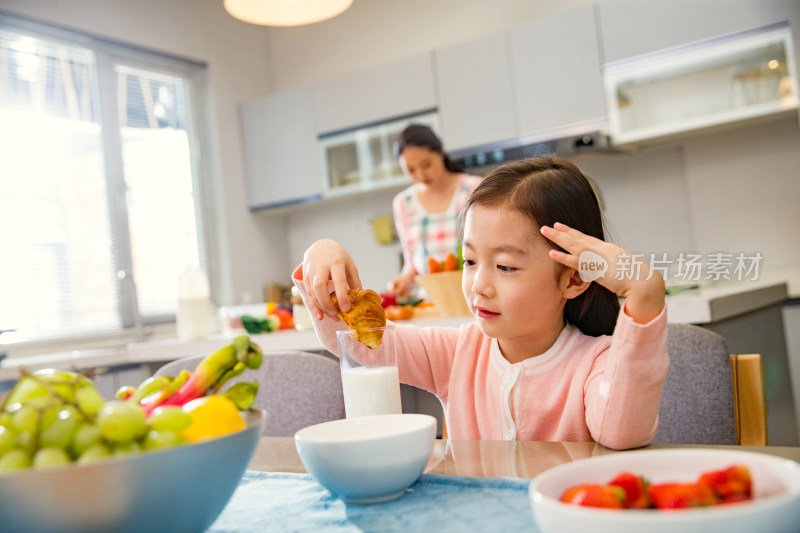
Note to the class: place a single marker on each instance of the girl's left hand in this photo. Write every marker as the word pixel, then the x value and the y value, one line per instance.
pixel 626 275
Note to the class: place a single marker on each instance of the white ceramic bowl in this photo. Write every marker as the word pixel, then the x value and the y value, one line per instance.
pixel 368 459
pixel 775 507
pixel 183 488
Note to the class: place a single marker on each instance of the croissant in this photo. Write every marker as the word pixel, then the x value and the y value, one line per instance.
pixel 366 313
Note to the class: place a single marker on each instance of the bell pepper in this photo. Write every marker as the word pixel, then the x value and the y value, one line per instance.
pixel 212 373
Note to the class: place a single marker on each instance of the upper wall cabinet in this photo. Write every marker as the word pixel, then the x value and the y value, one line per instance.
pixel 282 158
pixel 362 159
pixel 395 89
pixel 634 27
pixel 476 96
pixel 708 84
pixel 557 75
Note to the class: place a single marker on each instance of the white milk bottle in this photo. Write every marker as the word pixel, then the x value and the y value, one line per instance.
pixel 194 305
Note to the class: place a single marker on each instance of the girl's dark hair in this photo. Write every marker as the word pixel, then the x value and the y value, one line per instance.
pixel 423 137
pixel 548 189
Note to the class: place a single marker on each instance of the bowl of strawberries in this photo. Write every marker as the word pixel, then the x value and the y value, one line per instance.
pixel 686 490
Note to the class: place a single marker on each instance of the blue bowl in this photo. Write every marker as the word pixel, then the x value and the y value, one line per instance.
pixel 177 489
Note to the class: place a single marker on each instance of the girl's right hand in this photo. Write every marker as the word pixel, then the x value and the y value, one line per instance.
pixel 324 261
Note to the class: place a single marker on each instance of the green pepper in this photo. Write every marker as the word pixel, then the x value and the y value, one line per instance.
pixel 253 325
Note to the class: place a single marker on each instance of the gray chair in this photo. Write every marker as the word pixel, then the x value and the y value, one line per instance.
pixel 297 389
pixel 698 404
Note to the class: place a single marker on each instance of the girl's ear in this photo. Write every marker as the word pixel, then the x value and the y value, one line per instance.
pixel 571 284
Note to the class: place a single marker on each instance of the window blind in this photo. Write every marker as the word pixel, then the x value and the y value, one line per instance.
pixel 99 183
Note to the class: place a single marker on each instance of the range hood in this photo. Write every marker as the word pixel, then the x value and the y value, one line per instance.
pixel 564 142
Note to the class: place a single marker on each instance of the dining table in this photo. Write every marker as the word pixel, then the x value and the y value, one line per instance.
pixel 466 486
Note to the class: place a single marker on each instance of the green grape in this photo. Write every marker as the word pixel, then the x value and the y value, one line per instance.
pixel 127 447
pixel 7 439
pixel 5 419
pixel 9 411
pixel 161 439
pixel 15 459
pixel 62 382
pixel 26 440
pixel 47 414
pixel 121 421
pixel 86 436
pixel 59 432
pixel 89 400
pixel 93 453
pixel 45 402
pixel 26 389
pixel 50 457
pixel 25 418
pixel 169 417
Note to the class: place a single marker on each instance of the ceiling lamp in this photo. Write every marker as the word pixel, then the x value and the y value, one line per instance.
pixel 285 12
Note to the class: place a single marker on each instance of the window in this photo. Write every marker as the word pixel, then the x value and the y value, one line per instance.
pixel 100 182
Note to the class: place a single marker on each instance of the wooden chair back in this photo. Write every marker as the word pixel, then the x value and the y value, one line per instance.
pixel 750 408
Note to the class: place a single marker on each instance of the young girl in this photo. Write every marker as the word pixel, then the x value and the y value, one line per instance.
pixel 540 361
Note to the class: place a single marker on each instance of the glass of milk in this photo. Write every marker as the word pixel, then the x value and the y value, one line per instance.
pixel 370 379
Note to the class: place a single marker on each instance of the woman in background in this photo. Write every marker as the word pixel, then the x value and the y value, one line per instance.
pixel 425 213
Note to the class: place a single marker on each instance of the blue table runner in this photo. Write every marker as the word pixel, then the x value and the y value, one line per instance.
pixel 267 501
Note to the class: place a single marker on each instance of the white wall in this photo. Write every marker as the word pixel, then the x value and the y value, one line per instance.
pixel 744 192
pixel 238 70
pixel 348 222
pixel 373 32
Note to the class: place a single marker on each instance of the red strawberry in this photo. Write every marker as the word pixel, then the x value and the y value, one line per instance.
pixel 732 484
pixel 595 496
pixel 635 487
pixel 681 495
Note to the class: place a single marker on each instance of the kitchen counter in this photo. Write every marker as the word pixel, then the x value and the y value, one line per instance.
pixel 719 301
pixel 162 351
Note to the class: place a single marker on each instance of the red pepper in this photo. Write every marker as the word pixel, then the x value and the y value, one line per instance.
pixel 387 299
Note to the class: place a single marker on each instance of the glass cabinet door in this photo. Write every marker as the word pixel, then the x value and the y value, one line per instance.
pixel 342 162
pixel 363 158
pixel 701 85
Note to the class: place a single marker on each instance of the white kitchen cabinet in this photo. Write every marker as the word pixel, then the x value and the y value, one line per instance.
pixel 281 149
pixel 557 74
pixel 476 95
pixel 634 27
pixel 703 85
pixel 377 94
pixel 362 159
